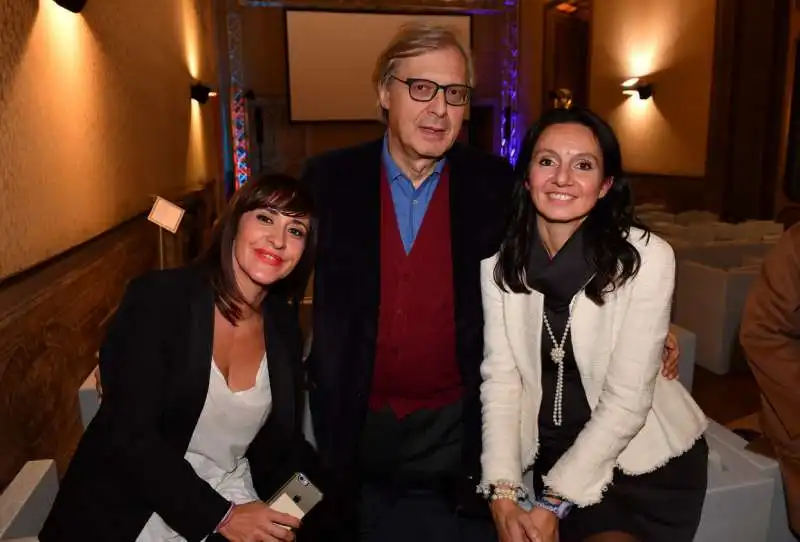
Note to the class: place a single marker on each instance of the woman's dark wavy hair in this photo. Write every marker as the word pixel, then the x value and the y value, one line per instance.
pixel 285 195
pixel 606 227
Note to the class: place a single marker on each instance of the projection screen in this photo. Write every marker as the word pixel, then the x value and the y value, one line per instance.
pixel 331 55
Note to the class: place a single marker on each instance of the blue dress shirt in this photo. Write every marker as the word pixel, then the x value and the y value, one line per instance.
pixel 410 203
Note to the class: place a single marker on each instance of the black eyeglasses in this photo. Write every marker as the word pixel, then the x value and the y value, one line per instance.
pixel 424 90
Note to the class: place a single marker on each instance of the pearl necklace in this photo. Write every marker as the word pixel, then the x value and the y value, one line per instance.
pixel 557 354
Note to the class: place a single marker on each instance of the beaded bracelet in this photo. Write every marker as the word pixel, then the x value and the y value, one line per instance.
pixel 507 490
pixel 504 493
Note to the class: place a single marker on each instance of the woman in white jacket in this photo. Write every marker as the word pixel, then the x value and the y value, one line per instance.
pixel 577 306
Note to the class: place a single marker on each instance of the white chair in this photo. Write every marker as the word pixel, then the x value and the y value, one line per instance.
pixel 26 502
pixel 88 398
pixel 738 499
pixel 709 301
pixel 777 522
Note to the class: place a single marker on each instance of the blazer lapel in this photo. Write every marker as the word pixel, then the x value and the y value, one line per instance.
pixel 524 317
pixel 358 220
pixel 367 232
pixel 462 214
pixel 466 269
pixel 354 229
pixel 192 383
pixel 586 317
pixel 279 363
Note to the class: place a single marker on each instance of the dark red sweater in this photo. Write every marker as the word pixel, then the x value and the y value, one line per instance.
pixel 415 358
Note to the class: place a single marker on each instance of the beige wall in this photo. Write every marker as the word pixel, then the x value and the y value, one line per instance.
pixel 671 43
pixel 95 115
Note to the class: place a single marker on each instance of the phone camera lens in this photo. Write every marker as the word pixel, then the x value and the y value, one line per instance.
pixel 302 480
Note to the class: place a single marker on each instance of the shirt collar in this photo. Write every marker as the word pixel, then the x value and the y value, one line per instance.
pixel 393 171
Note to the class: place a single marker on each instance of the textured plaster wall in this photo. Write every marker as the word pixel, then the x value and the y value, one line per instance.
pixel 670 43
pixel 95 117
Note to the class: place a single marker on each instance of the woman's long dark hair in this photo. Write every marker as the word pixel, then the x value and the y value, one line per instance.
pixel 606 227
pixel 285 195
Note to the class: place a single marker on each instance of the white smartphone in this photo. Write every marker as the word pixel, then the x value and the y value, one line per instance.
pixel 297 496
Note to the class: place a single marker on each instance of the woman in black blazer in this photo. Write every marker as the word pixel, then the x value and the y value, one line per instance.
pixel 201 418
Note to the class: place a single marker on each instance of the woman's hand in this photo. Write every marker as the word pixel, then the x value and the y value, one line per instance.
pixel 257 522
pixel 546 523
pixel 670 357
pixel 513 523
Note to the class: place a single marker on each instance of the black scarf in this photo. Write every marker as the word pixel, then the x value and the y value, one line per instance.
pixel 561 277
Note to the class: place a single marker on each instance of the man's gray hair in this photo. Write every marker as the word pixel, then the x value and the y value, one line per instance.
pixel 415 39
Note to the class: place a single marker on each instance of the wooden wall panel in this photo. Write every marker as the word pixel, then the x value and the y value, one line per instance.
pixel 51 326
pixel 677 193
pixel 52 320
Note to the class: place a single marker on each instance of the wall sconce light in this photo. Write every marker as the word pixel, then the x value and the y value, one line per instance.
pixel 637 87
pixel 201 93
pixel 75 6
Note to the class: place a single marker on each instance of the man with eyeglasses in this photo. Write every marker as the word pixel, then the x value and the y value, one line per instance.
pixel 394 368
pixel 398 339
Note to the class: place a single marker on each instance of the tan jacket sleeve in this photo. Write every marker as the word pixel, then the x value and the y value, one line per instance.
pixel 770 330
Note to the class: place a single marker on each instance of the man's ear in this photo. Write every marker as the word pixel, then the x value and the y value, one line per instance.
pixel 383 95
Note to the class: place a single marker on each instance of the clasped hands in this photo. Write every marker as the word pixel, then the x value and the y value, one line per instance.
pixel 257 522
pixel 515 524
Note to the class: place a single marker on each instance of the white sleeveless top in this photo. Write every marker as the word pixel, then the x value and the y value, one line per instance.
pixel 228 424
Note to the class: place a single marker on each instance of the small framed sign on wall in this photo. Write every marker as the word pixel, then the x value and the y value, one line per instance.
pixel 166 214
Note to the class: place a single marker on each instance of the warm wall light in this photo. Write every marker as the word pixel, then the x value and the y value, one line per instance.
pixel 75 6
pixel 201 93
pixel 637 87
pixel 566 7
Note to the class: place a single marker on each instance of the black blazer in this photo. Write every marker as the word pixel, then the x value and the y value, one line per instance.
pixel 155 365
pixel 346 188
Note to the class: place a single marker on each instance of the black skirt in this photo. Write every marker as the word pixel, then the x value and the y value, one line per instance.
pixel 661 506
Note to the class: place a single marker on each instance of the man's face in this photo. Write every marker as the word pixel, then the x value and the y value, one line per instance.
pixel 425 129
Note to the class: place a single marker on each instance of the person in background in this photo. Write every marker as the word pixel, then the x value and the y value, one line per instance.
pixel 394 366
pixel 576 308
pixel 770 337
pixel 201 417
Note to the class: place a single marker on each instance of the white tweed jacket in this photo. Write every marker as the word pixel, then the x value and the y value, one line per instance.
pixel 639 419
